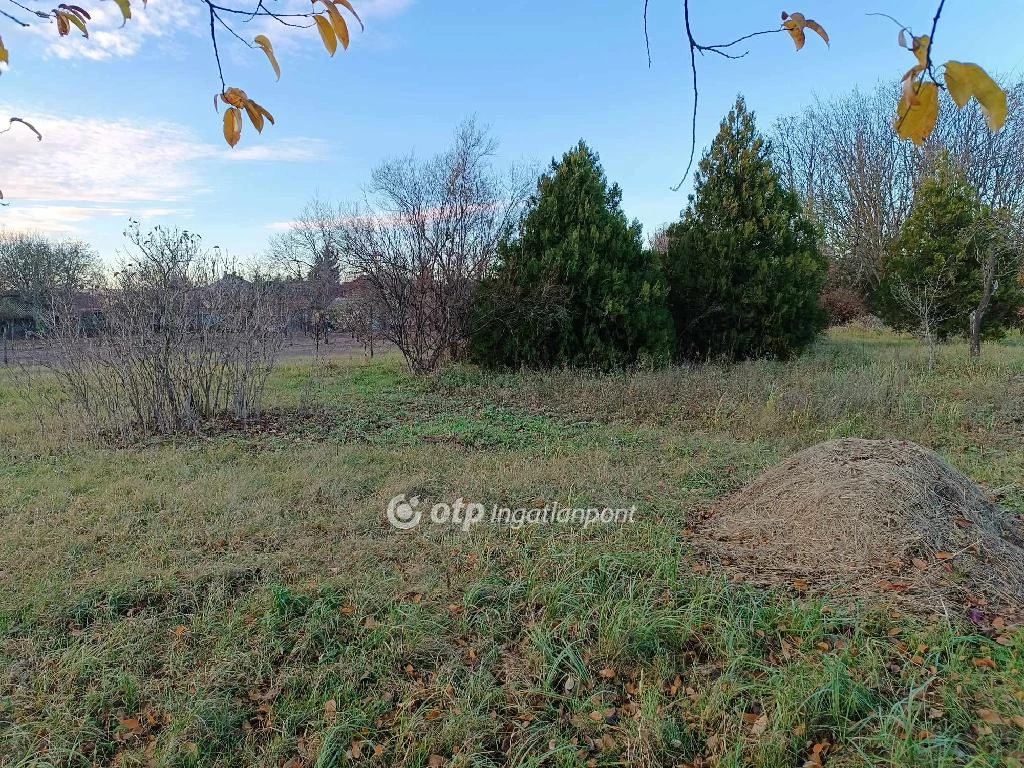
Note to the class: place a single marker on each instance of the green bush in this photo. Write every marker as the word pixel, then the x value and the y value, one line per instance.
pixel 574 286
pixel 743 264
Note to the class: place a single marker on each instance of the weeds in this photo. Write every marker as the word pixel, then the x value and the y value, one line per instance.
pixel 239 599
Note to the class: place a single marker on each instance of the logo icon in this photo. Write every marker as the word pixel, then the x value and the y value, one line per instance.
pixel 404 513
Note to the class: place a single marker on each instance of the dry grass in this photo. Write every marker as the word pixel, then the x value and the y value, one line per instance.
pixel 874 519
pixel 238 599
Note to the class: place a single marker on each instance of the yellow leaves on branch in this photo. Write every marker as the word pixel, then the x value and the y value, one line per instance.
pixel 332 27
pixel 918 111
pixel 796 23
pixel 238 102
pixel 967 80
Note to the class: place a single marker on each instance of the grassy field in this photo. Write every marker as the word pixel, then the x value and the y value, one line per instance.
pixel 240 599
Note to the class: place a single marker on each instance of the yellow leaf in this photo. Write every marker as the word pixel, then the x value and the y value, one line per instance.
pixel 812 24
pixel 255 116
pixel 232 126
pixel 126 9
pixel 966 80
pixel 337 21
pixel 5 57
pixel 262 111
pixel 795 26
pixel 920 49
pixel 236 97
pixel 323 26
pixel 63 27
pixel 918 112
pixel 77 22
pixel 352 10
pixel 264 42
pixel 796 23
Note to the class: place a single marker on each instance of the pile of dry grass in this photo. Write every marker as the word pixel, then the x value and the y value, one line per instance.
pixel 860 518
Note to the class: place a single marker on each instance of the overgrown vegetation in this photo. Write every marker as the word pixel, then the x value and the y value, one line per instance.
pixel 239 598
pixel 938 271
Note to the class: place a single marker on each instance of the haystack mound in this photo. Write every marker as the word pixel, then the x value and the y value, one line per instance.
pixel 869 517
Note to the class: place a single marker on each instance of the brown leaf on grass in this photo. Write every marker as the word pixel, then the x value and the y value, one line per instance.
pixel 134 725
pixel 817 757
pixel 432 715
pixel 608 673
pixel 435 761
pixel 984 662
pixel 760 725
pixel 991 716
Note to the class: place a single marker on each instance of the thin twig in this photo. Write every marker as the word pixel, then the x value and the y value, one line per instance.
pixel 696 95
pixel 17 21
pixel 216 50
pixel 931 39
pixel 647 36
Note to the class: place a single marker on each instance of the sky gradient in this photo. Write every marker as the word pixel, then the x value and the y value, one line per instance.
pixel 130 130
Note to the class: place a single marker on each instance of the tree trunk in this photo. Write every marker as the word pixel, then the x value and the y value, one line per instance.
pixel 975 333
pixel 988 279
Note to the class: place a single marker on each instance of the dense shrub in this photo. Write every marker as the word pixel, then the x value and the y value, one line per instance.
pixel 744 265
pixel 574 286
pixel 841 299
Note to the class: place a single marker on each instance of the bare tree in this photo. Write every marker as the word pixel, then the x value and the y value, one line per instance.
pixel 425 235
pixel 924 297
pixel 309 256
pixel 854 174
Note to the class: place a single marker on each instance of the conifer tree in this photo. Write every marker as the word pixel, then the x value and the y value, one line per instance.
pixel 574 286
pixel 744 267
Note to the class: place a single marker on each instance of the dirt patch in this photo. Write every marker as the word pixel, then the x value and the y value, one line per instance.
pixel 871 518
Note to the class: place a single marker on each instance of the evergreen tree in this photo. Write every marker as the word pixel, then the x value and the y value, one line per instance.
pixel 574 286
pixel 935 275
pixel 744 267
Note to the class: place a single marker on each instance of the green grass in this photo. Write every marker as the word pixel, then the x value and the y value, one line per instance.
pixel 239 599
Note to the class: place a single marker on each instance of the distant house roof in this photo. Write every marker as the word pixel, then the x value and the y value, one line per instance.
pixel 358 286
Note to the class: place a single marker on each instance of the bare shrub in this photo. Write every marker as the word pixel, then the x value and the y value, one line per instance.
pixel 182 340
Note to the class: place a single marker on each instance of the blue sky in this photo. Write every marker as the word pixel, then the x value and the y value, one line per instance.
pixel 130 128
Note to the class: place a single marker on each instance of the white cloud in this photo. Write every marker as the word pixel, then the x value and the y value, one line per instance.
pixel 87 168
pixel 110 38
pixel 54 218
